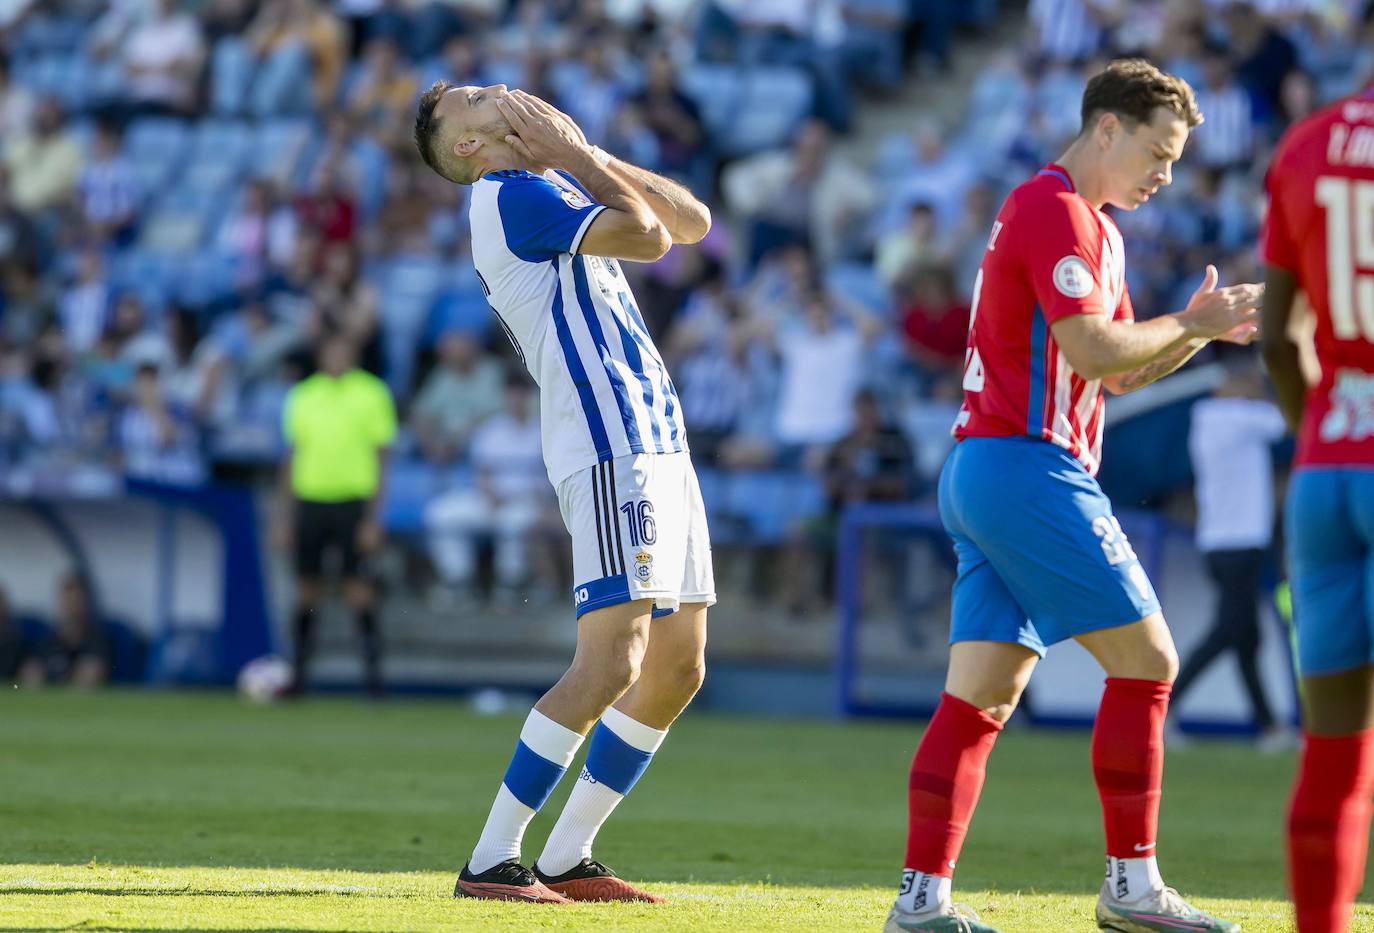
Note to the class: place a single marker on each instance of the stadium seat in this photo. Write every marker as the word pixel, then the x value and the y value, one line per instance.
pixel 408 286
pixel 875 52
pixel 859 282
pixel 773 102
pixel 182 220
pixel 371 163
pixel 282 84
pixel 204 278
pixel 772 503
pixel 49 32
pixel 149 275
pixel 717 91
pixel 231 76
pixel 460 305
pixel 64 75
pixel 219 154
pixel 409 487
pixel 155 148
pixel 278 149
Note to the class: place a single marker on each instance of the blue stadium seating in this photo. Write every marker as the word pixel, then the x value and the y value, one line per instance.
pixel 717 90
pixel 231 77
pixel 156 148
pixel 409 286
pixel 773 102
pixel 860 283
pixel 182 220
pixel 409 486
pixel 460 305
pixel 219 154
pixel 772 504
pixel 278 149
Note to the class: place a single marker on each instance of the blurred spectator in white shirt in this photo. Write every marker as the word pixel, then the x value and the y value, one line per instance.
pixel 509 491
pixel 163 57
pixel 805 193
pixel 84 308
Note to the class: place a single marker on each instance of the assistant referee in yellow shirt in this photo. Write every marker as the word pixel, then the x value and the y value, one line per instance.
pixel 338 425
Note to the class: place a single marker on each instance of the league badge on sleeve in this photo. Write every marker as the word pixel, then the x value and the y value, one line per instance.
pixel 1073 278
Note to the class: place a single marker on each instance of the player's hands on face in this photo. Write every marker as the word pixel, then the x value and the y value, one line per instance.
pixel 553 113
pixel 1213 312
pixel 539 138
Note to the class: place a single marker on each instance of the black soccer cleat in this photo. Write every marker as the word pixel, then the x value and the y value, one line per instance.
pixel 506 881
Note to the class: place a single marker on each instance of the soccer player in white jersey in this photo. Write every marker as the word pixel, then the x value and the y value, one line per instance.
pixel 551 219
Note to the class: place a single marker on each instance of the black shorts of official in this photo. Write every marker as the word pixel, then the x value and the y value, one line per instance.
pixel 325 526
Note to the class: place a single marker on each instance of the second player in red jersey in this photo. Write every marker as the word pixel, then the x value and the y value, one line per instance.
pixel 1319 240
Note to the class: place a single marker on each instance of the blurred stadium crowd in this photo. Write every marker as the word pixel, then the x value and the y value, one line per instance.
pixel 194 193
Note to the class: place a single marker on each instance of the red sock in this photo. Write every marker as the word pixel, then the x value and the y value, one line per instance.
pixel 1128 763
pixel 1328 828
pixel 946 779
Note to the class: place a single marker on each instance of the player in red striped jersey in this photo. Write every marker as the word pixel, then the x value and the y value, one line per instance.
pixel 1041 556
pixel 1319 239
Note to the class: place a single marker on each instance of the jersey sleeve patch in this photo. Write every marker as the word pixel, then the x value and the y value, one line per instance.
pixel 1072 277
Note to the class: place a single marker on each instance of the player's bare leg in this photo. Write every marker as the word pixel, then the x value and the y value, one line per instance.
pixel 1128 764
pixel 1328 820
pixel 671 672
pixel 611 644
pixel 984 683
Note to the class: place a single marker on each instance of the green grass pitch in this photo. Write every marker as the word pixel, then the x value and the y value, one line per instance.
pixel 132 811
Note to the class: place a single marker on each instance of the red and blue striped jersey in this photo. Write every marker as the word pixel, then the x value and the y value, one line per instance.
pixel 1051 254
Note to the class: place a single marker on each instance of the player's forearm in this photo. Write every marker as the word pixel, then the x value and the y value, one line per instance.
pixel 613 189
pixel 687 219
pixel 1142 376
pixel 1112 348
pixel 1282 359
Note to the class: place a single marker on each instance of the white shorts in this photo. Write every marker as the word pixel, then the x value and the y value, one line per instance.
pixel 638 529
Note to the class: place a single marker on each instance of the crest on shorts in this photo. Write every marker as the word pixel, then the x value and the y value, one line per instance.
pixel 644 565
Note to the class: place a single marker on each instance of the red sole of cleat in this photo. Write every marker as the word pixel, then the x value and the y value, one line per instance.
pixel 604 889
pixel 534 894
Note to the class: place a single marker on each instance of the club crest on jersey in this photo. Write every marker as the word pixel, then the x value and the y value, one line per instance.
pixel 1073 278
pixel 575 199
pixel 644 565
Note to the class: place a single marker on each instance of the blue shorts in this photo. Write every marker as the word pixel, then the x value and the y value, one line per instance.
pixel 1041 557
pixel 1330 528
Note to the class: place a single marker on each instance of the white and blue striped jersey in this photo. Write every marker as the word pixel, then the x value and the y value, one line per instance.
pixel 604 391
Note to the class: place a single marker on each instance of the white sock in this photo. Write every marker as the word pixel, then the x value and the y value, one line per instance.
pixel 595 795
pixel 921 893
pixel 534 775
pixel 1131 879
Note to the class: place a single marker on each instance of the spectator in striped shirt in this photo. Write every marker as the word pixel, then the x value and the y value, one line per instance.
pixel 108 190
pixel 1071 30
pixel 157 442
pixel 1225 141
